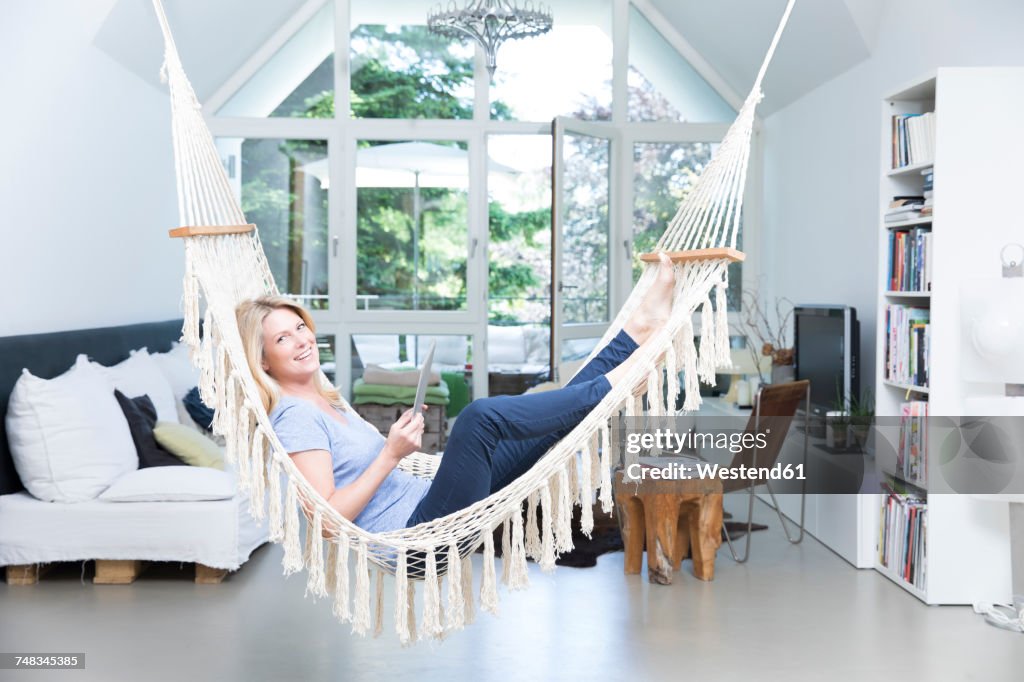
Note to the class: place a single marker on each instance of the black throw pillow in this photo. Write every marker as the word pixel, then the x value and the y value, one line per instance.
pixel 141 416
pixel 197 409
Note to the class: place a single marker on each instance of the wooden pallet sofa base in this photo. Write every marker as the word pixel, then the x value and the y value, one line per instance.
pixel 110 572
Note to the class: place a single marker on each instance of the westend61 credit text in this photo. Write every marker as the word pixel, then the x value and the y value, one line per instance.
pixel 707 470
pixel 673 442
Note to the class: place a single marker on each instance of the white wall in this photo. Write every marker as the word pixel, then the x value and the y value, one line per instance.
pixel 87 186
pixel 820 236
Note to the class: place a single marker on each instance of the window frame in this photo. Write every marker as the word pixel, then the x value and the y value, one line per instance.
pixel 342 319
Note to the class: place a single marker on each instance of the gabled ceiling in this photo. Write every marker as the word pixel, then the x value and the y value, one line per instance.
pixel 214 37
pixel 824 38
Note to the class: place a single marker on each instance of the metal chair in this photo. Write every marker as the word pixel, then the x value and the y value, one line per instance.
pixel 774 409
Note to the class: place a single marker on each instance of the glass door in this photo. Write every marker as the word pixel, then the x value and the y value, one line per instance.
pixel 581 263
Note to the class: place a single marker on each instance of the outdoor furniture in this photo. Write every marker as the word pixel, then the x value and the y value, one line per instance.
pixel 383 416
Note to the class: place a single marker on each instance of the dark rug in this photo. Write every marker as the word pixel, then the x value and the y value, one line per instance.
pixel 606 538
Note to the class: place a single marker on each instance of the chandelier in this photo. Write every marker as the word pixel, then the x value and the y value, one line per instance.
pixel 490 23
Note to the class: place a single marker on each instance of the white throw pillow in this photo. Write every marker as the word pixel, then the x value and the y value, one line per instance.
pixel 171 484
pixel 68 436
pixel 505 345
pixel 140 375
pixel 177 368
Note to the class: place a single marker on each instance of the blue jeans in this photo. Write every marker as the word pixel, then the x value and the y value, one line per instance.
pixel 496 440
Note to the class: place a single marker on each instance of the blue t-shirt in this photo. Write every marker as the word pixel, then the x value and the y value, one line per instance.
pixel 300 425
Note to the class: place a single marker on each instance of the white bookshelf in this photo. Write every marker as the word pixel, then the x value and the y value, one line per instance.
pixel 966 539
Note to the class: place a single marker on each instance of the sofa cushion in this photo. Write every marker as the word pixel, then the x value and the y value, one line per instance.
pixel 141 417
pixel 178 369
pixel 505 345
pixel 538 345
pixel 198 411
pixel 171 484
pixel 68 437
pixel 140 375
pixel 190 445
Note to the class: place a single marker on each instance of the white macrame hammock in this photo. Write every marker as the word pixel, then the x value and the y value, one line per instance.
pixel 225 264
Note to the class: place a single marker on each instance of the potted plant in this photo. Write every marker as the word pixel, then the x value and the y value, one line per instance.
pixel 769 334
pixel 837 422
pixel 862 416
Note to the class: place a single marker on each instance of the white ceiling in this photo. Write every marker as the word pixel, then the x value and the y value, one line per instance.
pixel 823 39
pixel 214 38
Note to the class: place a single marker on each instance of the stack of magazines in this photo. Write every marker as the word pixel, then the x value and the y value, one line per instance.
pixel 903 208
pixel 901 538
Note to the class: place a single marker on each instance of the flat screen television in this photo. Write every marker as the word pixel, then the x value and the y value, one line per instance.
pixel 826 348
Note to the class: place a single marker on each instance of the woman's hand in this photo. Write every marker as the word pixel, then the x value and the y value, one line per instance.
pixel 405 436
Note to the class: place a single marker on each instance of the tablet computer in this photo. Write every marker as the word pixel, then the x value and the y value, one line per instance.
pixel 421 387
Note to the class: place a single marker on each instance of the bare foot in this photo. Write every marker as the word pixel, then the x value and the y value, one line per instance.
pixel 656 307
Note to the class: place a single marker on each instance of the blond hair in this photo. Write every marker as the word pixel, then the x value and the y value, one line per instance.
pixel 249 315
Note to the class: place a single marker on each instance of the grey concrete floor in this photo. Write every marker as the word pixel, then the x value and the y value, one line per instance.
pixel 790 613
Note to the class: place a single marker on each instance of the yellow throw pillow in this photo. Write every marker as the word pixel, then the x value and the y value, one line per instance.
pixel 188 444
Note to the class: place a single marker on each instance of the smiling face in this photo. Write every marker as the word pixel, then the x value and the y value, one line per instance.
pixel 290 354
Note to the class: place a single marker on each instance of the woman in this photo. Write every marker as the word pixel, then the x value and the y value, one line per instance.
pixel 493 442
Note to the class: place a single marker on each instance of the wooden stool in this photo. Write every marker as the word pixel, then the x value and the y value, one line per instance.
pixel 677 518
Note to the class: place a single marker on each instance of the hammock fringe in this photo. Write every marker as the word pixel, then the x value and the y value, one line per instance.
pixel 401 599
pixel 488 586
pixel 342 610
pixel 292 561
pixel 532 531
pixel 431 598
pixel 506 549
pixel 275 529
pixel 605 495
pixel 361 615
pixel 467 591
pixel 316 582
pixel 586 490
pixel 410 611
pixel 519 576
pixel 547 550
pixel 563 529
pixel 378 609
pixel 456 611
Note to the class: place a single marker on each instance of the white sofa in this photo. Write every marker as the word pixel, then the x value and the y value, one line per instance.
pixel 216 533
pixel 99 505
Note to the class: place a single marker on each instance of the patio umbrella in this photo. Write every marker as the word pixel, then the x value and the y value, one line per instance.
pixel 409 164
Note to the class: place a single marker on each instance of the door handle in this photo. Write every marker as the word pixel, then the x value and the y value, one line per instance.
pixel 334 242
pixel 472 247
pixel 629 249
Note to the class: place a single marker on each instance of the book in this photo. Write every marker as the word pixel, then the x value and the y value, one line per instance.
pixel 913 139
pixel 908 341
pixel 903 527
pixel 909 258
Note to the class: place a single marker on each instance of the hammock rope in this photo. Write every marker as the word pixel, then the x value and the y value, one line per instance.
pixel 226 263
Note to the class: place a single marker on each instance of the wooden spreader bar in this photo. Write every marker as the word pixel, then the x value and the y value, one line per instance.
pixel 197 230
pixel 697 254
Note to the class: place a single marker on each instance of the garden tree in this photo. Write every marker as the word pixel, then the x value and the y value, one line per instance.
pixel 402 73
pixel 290 209
pixel 519 273
pixel 663 174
